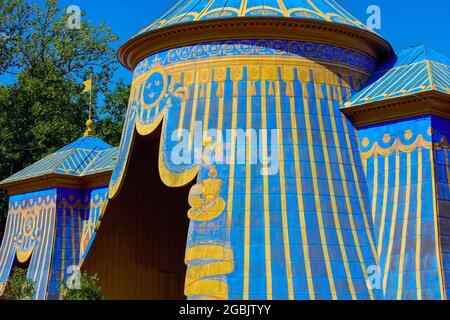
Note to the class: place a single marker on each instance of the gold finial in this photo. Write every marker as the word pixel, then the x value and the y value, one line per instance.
pixel 89 123
pixel 89 128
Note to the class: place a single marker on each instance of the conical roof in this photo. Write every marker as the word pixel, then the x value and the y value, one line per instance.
pixel 199 10
pixel 87 155
pixel 191 22
pixel 416 70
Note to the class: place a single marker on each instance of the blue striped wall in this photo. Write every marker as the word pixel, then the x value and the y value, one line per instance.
pixel 72 210
pixel 46 228
pixel 30 228
pixel 78 211
pixel 304 232
pixel 399 163
pixel 441 134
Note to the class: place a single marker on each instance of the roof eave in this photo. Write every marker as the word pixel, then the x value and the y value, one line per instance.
pixel 266 28
pixel 57 180
pixel 427 102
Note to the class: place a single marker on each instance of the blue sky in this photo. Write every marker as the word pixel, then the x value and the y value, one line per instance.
pixel 404 22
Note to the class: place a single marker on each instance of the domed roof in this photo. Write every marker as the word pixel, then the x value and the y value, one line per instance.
pixel 191 22
pixel 185 11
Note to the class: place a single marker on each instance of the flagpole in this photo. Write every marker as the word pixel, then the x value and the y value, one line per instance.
pixel 89 123
pixel 90 101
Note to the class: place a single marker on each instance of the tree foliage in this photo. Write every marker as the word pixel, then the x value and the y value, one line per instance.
pixel 19 287
pixel 110 123
pixel 40 39
pixel 88 290
pixel 13 22
pixel 44 109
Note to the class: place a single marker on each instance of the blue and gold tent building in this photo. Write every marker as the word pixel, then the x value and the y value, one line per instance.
pixel 275 149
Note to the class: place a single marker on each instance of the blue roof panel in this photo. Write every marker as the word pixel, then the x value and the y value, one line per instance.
pixel 417 69
pixel 199 10
pixel 88 143
pixel 85 156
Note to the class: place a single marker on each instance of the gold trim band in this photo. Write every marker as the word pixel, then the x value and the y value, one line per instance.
pixel 266 28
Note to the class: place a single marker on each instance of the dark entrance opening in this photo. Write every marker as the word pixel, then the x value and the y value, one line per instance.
pixel 17 264
pixel 139 250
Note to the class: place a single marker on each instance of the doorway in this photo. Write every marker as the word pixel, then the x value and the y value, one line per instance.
pixel 139 251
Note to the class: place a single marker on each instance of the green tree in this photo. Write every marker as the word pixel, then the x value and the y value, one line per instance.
pixel 19 287
pixel 47 44
pixel 88 290
pixel 44 109
pixel 13 22
pixel 112 115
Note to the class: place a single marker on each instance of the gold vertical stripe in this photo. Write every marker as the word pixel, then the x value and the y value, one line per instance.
pixel 52 247
pixel 72 213
pixel 63 249
pixel 301 209
pixel 287 248
pixel 332 193
pixel 346 193
pixel 364 163
pixel 418 223
pixel 232 156
pixel 194 108
pixel 181 121
pixel 47 252
pixel 207 108
pixel 7 239
pixel 248 190
pixel 220 113
pixel 384 205
pixel 375 186
pixel 405 227
pixel 38 253
pixel 393 221
pixel 243 7
pixel 80 228
pixel 447 167
pixel 266 192
pixel 205 9
pixel 317 196
pixel 358 187
pixel 436 224
pixel 18 227
pixel 283 7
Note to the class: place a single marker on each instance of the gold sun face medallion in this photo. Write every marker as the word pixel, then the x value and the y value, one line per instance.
pixel 155 88
pixel 29 225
